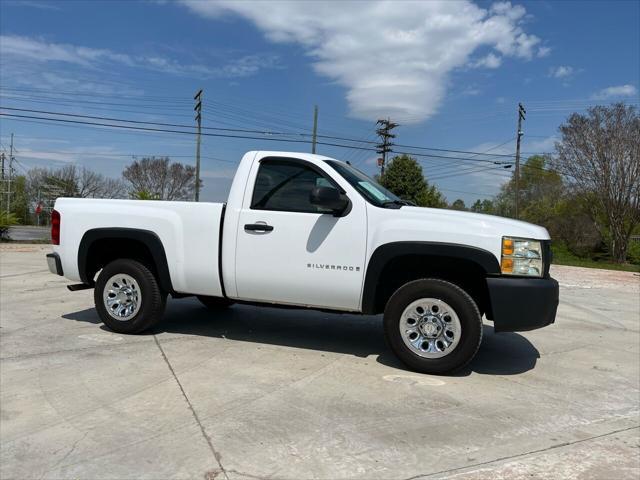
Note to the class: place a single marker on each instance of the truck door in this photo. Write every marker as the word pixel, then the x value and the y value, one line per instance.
pixel 288 250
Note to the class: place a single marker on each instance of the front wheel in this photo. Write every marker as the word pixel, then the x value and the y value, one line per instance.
pixel 127 297
pixel 433 326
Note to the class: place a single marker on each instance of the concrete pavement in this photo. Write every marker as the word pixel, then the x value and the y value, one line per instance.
pixel 254 393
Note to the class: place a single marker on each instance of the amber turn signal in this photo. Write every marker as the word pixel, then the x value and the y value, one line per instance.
pixel 507 265
pixel 507 246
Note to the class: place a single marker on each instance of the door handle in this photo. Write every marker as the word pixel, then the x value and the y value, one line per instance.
pixel 257 227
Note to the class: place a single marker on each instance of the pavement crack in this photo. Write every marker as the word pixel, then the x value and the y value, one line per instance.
pixel 11 275
pixel 66 455
pixel 216 455
pixel 518 455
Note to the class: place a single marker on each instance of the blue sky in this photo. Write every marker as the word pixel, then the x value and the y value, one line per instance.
pixel 451 73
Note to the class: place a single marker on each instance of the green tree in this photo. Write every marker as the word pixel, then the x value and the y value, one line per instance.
pixel 458 205
pixel 6 220
pixel 541 188
pixel 574 224
pixel 20 199
pixel 403 176
pixel 483 206
pixel 143 195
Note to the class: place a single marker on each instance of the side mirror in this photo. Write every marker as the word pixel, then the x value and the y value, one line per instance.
pixel 329 198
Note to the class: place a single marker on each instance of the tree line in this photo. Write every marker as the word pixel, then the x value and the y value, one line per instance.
pixel 153 178
pixel 587 194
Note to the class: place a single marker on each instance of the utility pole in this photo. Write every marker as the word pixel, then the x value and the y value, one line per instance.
pixel 315 129
pixel 10 176
pixel 2 156
pixel 385 127
pixel 198 110
pixel 521 116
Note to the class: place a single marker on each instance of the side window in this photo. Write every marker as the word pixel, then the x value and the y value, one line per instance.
pixel 286 186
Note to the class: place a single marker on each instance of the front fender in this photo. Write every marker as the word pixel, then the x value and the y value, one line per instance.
pixel 386 253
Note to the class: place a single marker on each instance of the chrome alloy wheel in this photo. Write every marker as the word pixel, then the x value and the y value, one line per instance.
pixel 122 297
pixel 430 328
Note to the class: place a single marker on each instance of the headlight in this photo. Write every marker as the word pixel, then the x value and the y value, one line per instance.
pixel 521 256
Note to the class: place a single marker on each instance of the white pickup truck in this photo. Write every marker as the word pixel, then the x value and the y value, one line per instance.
pixel 313 232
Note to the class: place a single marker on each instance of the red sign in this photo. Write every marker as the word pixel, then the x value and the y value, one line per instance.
pixel 39 209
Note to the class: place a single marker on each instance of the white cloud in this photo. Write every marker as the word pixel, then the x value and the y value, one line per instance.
pixel 470 91
pixel 616 91
pixel 22 50
pixel 489 61
pixel 26 48
pixel 543 52
pixel 562 71
pixel 393 57
pixel 31 4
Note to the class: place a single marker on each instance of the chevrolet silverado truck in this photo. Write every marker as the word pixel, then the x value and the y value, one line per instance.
pixel 312 232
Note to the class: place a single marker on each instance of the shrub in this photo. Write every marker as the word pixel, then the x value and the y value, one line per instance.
pixel 6 220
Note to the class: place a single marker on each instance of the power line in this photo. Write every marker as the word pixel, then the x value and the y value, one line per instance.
pixel 458 151
pixel 106 154
pixel 175 125
pixel 92 94
pixel 467 171
pixel 151 129
pixel 468 193
pixel 266 132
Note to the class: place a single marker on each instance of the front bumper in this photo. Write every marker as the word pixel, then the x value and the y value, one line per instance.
pixel 520 304
pixel 54 263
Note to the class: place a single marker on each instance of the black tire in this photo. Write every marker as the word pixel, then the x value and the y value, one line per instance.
pixel 214 303
pixel 153 298
pixel 466 310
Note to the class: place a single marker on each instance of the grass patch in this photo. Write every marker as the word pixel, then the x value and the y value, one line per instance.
pixel 562 256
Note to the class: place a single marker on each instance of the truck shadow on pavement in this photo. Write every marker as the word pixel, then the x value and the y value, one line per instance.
pixel 499 354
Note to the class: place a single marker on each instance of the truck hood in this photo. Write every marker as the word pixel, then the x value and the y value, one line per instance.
pixel 476 222
pixel 418 224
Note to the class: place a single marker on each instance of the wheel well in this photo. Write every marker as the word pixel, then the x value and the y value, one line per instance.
pixel 105 250
pixel 100 246
pixel 466 274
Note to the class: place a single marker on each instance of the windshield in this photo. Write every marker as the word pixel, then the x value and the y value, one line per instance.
pixel 371 190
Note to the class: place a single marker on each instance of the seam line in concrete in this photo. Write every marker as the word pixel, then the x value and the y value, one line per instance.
pixel 9 275
pixel 216 455
pixel 27 356
pixel 532 452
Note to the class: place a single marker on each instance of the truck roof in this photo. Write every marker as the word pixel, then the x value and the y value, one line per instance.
pixel 300 155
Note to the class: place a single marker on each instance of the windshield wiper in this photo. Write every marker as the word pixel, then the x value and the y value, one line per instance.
pixel 400 203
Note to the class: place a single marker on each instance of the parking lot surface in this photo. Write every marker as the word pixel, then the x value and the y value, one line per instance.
pixel 257 393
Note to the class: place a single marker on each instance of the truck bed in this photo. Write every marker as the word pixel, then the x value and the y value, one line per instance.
pixel 189 233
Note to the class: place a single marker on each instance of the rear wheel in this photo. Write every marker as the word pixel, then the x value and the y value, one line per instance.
pixel 433 326
pixel 214 303
pixel 127 297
